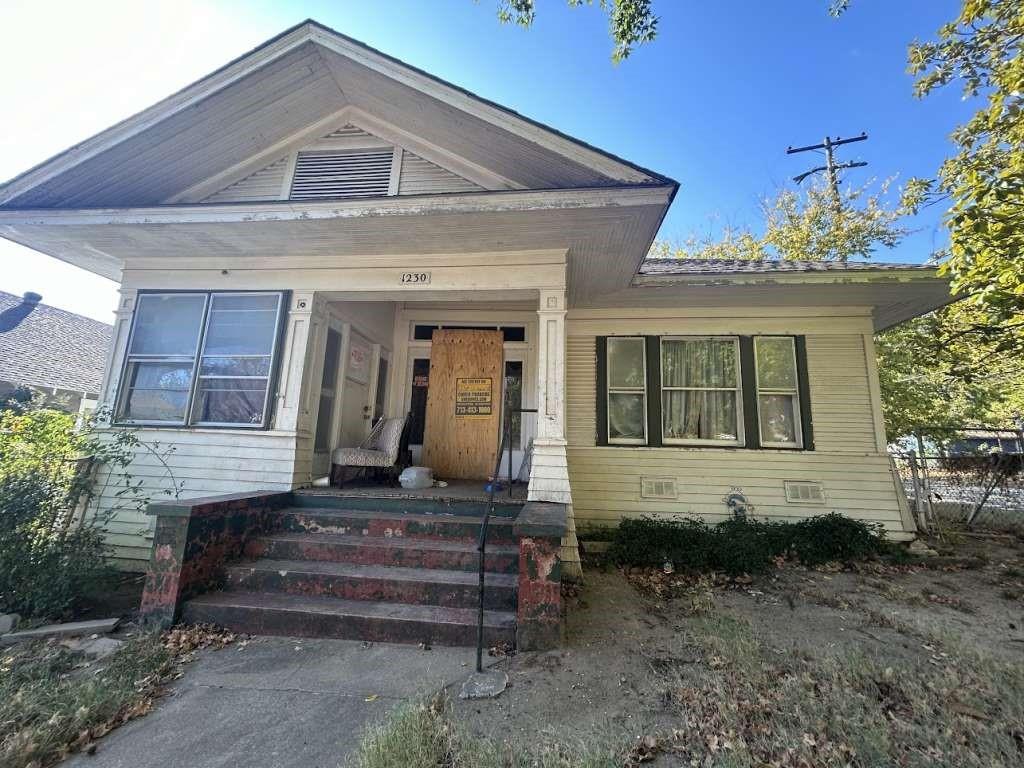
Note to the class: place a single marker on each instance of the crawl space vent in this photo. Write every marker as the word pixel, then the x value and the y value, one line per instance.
pixel 803 492
pixel 658 488
pixel 324 175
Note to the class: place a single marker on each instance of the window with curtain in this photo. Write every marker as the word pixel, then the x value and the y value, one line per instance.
pixel 778 398
pixel 700 391
pixel 627 390
pixel 201 359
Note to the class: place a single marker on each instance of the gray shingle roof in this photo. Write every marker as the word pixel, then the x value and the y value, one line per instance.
pixel 672 266
pixel 44 346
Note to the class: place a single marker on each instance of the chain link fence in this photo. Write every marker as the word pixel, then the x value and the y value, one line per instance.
pixel 968 476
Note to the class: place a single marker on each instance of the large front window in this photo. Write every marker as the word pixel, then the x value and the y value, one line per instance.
pixel 202 359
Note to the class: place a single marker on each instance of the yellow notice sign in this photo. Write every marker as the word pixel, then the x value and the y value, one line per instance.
pixel 473 398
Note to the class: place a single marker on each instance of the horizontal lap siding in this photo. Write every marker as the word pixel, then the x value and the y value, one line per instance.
pixel 201 464
pixel 856 478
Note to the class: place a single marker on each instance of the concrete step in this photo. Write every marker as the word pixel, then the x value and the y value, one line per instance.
pixel 361 522
pixel 374 583
pixel 396 502
pixel 383 550
pixel 301 616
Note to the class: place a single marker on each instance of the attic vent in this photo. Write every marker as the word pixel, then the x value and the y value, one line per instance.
pixel 658 488
pixel 362 173
pixel 802 492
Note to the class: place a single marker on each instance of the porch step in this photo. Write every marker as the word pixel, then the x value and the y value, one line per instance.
pixel 306 616
pixel 381 524
pixel 374 583
pixel 381 550
pixel 397 501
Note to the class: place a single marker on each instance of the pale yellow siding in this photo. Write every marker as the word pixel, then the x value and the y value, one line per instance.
pixel 849 458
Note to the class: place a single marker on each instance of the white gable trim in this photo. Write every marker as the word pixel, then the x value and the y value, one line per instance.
pixel 474 105
pixel 428 151
pixel 172 105
pixel 278 47
pixel 382 134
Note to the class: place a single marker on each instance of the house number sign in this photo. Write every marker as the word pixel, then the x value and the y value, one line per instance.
pixel 415 278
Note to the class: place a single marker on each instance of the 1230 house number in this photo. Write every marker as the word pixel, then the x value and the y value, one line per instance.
pixel 415 278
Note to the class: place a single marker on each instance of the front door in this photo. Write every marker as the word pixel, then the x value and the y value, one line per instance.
pixel 355 405
pixel 463 403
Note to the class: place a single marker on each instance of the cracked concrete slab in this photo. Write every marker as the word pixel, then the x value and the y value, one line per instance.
pixel 278 703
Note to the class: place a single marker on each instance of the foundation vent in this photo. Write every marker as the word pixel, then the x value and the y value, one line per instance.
pixel 804 492
pixel 658 488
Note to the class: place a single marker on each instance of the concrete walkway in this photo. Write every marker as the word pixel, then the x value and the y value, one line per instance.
pixel 277 703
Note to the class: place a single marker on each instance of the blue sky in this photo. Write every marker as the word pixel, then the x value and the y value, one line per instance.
pixel 713 102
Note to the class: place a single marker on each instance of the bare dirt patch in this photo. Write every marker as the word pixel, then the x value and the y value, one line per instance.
pixel 872 664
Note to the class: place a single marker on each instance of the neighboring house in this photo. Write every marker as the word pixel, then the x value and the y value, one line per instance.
pixel 297 234
pixel 58 354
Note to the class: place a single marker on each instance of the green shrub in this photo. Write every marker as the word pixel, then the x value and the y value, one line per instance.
pixel 831 537
pixel 52 555
pixel 740 545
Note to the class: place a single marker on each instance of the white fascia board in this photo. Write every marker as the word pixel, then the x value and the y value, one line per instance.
pixel 404 205
pixel 160 111
pixel 797 278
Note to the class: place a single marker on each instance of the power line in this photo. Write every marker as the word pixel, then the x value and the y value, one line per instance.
pixel 831 167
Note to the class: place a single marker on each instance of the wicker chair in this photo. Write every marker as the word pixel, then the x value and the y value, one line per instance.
pixel 379 452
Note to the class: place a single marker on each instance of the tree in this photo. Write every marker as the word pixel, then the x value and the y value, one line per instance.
pixel 952 367
pixel 631 22
pixel 805 224
pixel 981 51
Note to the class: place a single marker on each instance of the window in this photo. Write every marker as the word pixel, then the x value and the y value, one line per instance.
pixel 201 359
pixel 627 390
pixel 778 398
pixel 728 391
pixel 328 382
pixel 700 391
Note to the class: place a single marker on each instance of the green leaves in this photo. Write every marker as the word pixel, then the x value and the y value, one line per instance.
pixel 630 22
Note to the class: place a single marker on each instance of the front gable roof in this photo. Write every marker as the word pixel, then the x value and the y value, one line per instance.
pixel 297 87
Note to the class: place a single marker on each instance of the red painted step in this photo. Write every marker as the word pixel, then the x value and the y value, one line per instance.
pixel 302 616
pixel 380 550
pixel 358 522
pixel 374 583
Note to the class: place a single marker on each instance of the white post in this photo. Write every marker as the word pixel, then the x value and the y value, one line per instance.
pixel 293 411
pixel 549 469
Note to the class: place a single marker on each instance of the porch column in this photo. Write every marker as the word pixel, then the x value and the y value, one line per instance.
pixel 294 413
pixel 549 469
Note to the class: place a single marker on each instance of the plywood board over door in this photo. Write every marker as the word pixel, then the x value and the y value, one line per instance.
pixel 460 438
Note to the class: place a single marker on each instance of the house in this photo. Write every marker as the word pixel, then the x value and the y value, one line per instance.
pixel 57 354
pixel 303 236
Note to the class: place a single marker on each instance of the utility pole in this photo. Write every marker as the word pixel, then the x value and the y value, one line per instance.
pixel 831 166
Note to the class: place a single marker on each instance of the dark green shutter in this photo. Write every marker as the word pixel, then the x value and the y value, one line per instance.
pixel 748 383
pixel 602 390
pixel 652 346
pixel 804 389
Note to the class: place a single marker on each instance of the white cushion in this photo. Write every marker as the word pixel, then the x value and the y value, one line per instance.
pixel 361 457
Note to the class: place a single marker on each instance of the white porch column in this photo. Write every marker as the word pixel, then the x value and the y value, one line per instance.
pixel 293 409
pixel 549 469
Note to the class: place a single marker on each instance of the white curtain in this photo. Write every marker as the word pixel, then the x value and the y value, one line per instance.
pixel 699 414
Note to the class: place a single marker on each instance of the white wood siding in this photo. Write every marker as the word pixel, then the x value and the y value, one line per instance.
pixel 421 177
pixel 265 184
pixel 202 462
pixel 846 460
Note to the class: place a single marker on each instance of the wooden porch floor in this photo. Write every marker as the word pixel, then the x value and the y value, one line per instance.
pixel 456 490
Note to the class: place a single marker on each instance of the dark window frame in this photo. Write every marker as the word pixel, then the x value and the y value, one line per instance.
pixel 189 422
pixel 749 422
